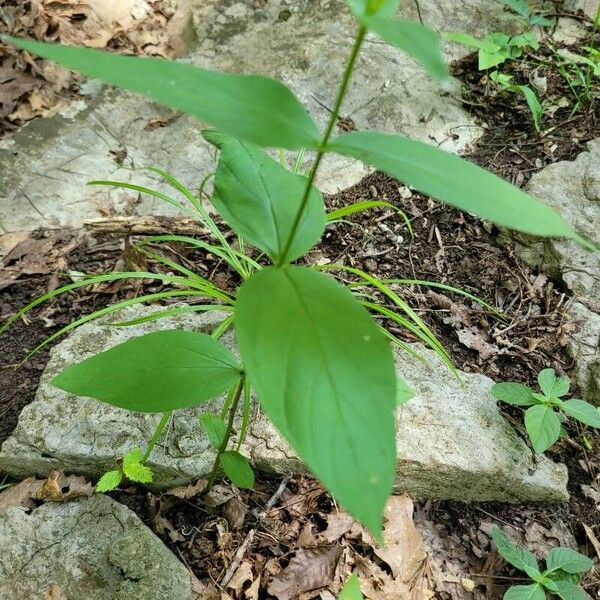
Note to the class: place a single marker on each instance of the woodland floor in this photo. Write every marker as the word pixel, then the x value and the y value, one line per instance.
pixel 446 247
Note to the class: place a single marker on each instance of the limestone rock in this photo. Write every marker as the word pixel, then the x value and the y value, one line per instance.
pixel 105 135
pixel 452 440
pixel 89 549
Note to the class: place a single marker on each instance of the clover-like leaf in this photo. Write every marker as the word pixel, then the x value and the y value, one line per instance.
pixel 582 411
pixel 552 385
pixel 517 394
pixel 238 469
pixel 109 481
pixel 543 426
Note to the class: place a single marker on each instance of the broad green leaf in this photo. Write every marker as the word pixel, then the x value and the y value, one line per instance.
pixel 324 374
pixel 517 394
pixel 568 560
pixel 214 427
pixel 540 20
pixel 552 385
pixel 418 41
pixel 454 181
pixel 403 392
pixel 109 481
pixel 515 555
pixel 525 592
pixel 468 40
pixel 567 590
pixel 351 589
pixel 134 469
pixel 543 426
pixel 536 109
pixel 248 107
pixel 259 199
pixel 487 60
pixel 157 372
pixel 582 411
pixel 238 469
pixel 371 8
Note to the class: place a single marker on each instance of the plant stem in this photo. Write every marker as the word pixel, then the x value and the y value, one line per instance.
pixel 156 435
pixel 324 141
pixel 225 441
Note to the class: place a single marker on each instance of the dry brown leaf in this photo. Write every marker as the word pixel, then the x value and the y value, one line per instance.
pixel 20 495
pixel 241 578
pixel 473 338
pixel 235 511
pixel 592 538
pixel 338 524
pixel 309 569
pixel 187 492
pixel 253 591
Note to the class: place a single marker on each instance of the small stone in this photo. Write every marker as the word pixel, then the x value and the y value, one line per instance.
pixel 93 548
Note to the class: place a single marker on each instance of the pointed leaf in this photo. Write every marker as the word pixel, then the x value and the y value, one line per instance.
pixel 109 481
pixel 324 374
pixel 238 469
pixel 515 555
pixel 525 592
pixel 473 42
pixel 157 372
pixel 418 41
pixel 567 590
pixel 543 426
pixel 582 411
pixel 259 199
pixel 351 589
pixel 552 385
pixel 133 456
pixel 568 560
pixel 139 473
pixel 536 109
pixel 249 107
pixel 214 427
pixel 454 181
pixel 513 393
pixel 404 393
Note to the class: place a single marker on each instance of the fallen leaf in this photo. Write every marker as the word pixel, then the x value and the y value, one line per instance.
pixel 473 338
pixel 592 538
pixel 309 569
pixel 20 495
pixel 60 487
pixel 235 511
pixel 338 524
pixel 241 577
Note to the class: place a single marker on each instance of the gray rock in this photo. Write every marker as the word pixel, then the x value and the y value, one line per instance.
pixel 46 166
pixel 452 440
pixel 573 189
pixel 89 549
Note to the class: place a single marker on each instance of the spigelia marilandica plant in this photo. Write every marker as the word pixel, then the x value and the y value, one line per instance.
pixel 321 367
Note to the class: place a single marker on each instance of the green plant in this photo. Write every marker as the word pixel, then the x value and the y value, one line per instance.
pixel 546 412
pixel 321 367
pixel 505 84
pixel 496 48
pixel 523 11
pixel 351 589
pixel 561 577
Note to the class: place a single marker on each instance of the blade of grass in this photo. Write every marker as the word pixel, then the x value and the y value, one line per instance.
pixel 364 205
pixel 222 327
pixel 173 312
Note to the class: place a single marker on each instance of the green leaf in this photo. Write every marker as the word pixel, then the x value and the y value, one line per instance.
pixel 238 469
pixel 516 394
pixel 582 411
pixel 214 427
pixel 487 60
pixel 379 8
pixel 157 372
pixel 454 181
pixel 543 426
pixel 248 107
pixel 134 468
pixel 325 376
pixel 515 555
pixel 109 481
pixel 403 392
pixel 519 6
pixel 468 40
pixel 535 107
pixel 525 592
pixel 259 199
pixel 418 41
pixel 351 589
pixel 552 385
pixel 567 590
pixel 568 560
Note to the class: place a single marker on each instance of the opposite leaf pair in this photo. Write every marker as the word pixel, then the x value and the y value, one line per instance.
pixel 546 412
pixel 561 577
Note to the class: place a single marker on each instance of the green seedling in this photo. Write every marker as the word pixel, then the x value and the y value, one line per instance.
pixel 351 589
pixel 547 410
pixel 505 84
pixel 496 48
pixel 523 11
pixel 561 577
pixel 133 469
pixel 310 348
